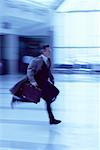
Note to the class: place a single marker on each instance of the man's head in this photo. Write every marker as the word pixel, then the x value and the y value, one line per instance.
pixel 46 50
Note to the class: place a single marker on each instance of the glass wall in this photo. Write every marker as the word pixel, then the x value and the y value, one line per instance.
pixel 77 37
pixel 3 60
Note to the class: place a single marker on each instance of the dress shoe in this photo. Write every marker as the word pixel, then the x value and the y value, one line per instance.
pixel 54 121
pixel 14 100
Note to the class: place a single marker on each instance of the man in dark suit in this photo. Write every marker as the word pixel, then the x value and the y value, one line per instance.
pixel 39 75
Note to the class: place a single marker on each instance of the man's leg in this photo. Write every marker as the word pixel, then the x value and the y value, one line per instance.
pixel 52 120
pixel 14 100
pixel 17 99
pixel 49 110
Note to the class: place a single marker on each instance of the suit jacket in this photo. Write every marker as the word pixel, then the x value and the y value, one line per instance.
pixel 15 89
pixel 39 72
pixel 35 66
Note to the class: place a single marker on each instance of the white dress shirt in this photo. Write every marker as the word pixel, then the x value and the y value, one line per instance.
pixel 45 58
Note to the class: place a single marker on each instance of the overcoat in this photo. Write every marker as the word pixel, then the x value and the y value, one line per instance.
pixel 38 71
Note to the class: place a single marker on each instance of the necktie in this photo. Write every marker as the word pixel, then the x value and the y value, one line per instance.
pixel 48 62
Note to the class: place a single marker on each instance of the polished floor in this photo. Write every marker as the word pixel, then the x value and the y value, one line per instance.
pixel 26 127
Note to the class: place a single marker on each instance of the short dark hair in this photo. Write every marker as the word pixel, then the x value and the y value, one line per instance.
pixel 45 46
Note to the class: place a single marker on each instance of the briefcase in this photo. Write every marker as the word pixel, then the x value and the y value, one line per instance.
pixel 49 92
pixel 31 93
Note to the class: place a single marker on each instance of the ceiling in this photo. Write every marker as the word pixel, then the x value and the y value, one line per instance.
pixel 79 5
pixel 45 4
pixel 32 17
pixel 28 16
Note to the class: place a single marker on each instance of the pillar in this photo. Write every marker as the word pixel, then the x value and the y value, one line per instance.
pixel 11 53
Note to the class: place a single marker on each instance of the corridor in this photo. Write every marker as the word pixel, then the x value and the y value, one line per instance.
pixel 26 127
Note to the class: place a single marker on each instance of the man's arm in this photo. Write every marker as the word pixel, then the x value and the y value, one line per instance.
pixel 51 77
pixel 32 69
pixel 50 73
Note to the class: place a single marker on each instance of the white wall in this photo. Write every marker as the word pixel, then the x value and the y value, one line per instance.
pixel 77 37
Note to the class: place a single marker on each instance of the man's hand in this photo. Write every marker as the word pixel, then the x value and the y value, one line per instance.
pixel 34 84
pixel 51 81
